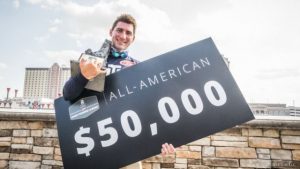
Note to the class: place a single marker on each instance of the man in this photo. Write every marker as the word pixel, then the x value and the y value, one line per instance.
pixel 122 35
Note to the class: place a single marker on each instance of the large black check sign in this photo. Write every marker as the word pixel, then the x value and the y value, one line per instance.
pixel 177 97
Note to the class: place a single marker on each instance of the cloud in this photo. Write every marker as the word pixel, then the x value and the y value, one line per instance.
pixel 62 56
pixel 81 36
pixel 3 66
pixel 16 4
pixel 94 21
pixel 34 2
pixel 53 29
pixel 46 3
pixel 56 21
pixel 78 43
pixel 54 25
pixel 42 39
pixel 154 25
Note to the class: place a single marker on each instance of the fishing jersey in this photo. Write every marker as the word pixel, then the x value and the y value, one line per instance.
pixel 76 85
pixel 116 64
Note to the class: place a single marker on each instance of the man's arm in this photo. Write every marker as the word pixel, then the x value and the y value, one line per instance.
pixel 74 87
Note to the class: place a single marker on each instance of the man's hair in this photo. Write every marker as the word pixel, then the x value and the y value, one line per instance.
pixel 127 19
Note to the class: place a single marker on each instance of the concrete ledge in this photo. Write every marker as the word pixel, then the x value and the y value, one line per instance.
pixel 27 115
pixel 278 124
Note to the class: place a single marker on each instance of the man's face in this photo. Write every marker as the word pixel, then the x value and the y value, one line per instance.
pixel 122 35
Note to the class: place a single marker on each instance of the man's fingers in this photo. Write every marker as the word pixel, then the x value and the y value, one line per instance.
pixel 102 71
pixel 82 60
pixel 165 149
pixel 89 70
pixel 171 148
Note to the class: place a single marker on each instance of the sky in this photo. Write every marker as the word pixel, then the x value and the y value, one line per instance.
pixel 261 38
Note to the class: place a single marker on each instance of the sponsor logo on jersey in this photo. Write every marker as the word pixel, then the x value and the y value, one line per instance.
pixel 127 63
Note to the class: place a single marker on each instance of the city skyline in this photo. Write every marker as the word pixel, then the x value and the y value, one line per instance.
pixel 260 38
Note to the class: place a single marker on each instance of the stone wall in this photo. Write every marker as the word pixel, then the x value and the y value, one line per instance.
pixel 29 140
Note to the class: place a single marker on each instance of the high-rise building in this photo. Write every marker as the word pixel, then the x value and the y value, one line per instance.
pixel 294 111
pixel 269 109
pixel 45 82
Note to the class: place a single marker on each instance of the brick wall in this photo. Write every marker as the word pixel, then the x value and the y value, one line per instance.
pixel 29 141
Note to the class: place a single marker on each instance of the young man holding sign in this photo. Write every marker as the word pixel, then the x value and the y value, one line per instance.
pixel 122 35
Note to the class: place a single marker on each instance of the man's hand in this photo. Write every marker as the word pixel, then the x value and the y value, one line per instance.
pixel 90 68
pixel 167 149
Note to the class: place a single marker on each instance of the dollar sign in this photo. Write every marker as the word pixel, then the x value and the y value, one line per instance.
pixel 90 144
